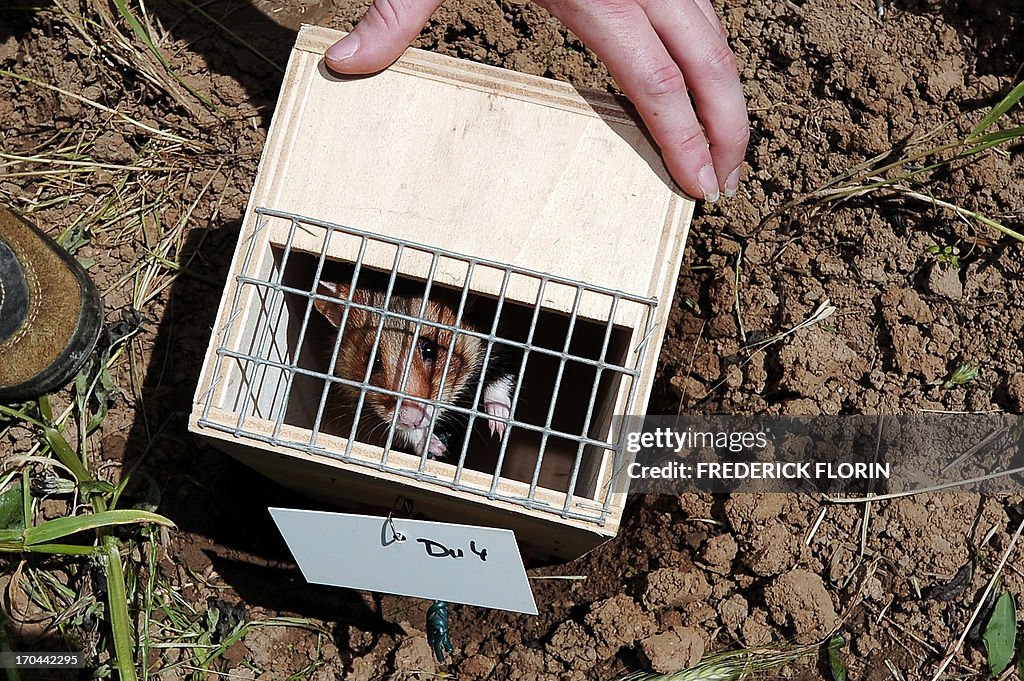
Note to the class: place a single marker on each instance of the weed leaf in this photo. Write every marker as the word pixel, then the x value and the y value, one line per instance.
pixel 64 527
pixel 97 487
pixel 835 663
pixel 1000 633
pixel 11 516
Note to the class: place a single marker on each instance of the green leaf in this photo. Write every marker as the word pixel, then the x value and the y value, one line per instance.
pixel 1000 633
pixel 835 663
pixel 73 239
pixel 11 515
pixel 65 527
pixel 962 375
pixel 104 395
pixel 67 456
pixel 117 600
pixel 999 109
pixel 45 409
pixel 97 487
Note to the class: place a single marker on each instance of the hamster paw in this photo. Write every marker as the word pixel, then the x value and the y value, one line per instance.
pixel 498 404
pixel 436 449
pixel 499 411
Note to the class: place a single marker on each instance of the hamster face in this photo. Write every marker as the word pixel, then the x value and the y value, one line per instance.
pixel 396 350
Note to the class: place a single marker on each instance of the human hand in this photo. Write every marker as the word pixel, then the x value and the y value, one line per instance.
pixel 660 52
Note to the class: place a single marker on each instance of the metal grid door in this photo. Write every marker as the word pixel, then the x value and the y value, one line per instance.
pixel 253 357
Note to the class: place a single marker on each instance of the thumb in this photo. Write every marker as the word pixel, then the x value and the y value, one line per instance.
pixel 380 37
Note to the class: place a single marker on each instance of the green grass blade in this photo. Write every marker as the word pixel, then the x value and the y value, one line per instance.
pixel 60 447
pixel 117 602
pixel 20 415
pixel 148 602
pixel 992 139
pixel 62 549
pixel 1000 633
pixel 142 34
pixel 26 499
pixel 139 30
pixel 1001 135
pixel 59 528
pixel 999 109
pixel 13 541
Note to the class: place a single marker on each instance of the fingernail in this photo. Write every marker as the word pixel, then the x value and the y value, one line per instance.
pixel 732 183
pixel 343 49
pixel 708 183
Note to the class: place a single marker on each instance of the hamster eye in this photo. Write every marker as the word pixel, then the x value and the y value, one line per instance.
pixel 378 366
pixel 428 349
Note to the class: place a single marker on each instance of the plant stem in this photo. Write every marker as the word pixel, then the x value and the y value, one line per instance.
pixel 964 212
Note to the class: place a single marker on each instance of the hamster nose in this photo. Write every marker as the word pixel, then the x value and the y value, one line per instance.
pixel 412 415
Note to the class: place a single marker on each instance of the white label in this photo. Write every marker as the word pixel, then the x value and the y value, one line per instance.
pixel 438 561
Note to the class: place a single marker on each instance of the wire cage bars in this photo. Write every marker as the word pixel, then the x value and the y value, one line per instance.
pixel 571 354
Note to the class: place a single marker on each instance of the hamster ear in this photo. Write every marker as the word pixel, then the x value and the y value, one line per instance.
pixel 328 308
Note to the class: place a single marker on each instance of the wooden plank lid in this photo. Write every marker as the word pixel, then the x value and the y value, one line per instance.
pixel 491 163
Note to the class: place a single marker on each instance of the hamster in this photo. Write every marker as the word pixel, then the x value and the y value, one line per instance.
pixel 433 346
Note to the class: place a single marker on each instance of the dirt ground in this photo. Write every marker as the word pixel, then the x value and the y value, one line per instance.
pixel 828 84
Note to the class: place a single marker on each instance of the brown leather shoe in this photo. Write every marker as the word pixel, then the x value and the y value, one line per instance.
pixel 50 312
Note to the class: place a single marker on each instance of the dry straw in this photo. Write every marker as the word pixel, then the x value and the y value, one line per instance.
pixel 910 173
pixel 731 665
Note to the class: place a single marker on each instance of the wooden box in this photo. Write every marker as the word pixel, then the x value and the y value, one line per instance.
pixel 538 208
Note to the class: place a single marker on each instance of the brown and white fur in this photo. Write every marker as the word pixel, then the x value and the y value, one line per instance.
pixel 433 347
